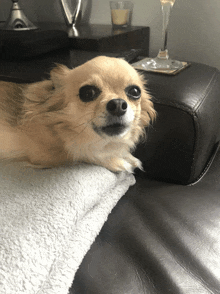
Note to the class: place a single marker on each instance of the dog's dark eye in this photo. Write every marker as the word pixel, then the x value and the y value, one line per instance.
pixel 133 92
pixel 89 93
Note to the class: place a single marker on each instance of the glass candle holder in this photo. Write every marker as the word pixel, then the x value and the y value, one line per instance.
pixel 121 13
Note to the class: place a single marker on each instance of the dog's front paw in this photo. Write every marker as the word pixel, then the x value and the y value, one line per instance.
pixel 131 163
pixel 127 164
pixel 128 167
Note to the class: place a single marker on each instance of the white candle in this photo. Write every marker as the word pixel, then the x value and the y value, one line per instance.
pixel 120 16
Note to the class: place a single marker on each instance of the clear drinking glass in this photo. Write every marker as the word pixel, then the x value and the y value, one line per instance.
pixel 121 13
pixel 162 61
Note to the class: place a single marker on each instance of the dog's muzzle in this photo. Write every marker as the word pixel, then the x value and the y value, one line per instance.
pixel 115 124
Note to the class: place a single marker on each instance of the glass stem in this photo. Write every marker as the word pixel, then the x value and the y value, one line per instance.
pixel 166 9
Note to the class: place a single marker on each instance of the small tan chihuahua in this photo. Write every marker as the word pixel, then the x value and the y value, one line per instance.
pixel 94 113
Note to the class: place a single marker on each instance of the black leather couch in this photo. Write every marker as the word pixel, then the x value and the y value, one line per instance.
pixel 160 238
pixel 163 236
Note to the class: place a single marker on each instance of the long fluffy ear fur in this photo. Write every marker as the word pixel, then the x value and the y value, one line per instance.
pixel 148 113
pixel 44 97
pixel 57 74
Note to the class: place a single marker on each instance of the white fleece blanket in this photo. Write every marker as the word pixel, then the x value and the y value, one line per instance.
pixel 48 221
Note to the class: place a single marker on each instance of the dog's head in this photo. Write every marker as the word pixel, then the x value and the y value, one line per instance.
pixel 105 96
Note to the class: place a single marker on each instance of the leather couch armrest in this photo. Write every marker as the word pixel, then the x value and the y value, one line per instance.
pixel 184 138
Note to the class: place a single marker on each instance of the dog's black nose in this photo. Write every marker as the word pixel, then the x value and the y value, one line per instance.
pixel 117 107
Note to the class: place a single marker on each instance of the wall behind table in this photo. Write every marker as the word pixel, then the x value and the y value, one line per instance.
pixel 194 24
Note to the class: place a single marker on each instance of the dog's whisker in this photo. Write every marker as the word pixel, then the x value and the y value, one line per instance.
pixel 84 123
pixel 102 116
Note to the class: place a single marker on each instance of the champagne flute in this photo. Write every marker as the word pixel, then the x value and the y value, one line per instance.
pixel 162 61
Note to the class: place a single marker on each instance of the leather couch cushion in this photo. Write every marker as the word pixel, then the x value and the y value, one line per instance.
pixel 185 135
pixel 160 238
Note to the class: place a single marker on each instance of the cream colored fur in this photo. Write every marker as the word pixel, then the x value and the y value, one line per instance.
pixel 46 124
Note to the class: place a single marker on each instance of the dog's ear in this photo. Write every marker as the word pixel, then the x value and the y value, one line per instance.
pixel 58 74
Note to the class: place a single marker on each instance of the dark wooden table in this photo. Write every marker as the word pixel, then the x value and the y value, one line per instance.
pixel 38 68
pixel 93 39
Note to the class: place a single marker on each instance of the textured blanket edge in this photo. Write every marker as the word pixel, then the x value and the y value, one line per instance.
pixel 76 252
pixel 48 222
